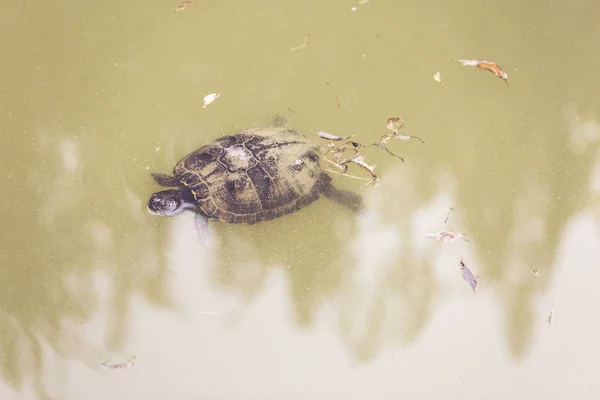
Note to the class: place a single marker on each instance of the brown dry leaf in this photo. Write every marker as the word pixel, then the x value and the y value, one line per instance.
pixel 394 124
pixel 182 6
pixel 486 66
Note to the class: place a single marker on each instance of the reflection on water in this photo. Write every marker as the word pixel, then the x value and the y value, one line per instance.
pixel 98 95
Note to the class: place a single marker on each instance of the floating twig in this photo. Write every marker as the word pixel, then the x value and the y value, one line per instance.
pixel 551 314
pixel 337 98
pixel 448 216
pixel 128 364
pixel 393 125
pixel 329 136
pixel 303 45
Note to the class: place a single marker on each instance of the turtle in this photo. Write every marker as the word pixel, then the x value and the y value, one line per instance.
pixel 248 177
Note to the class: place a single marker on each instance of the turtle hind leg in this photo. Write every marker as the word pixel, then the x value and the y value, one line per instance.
pixel 165 180
pixel 348 199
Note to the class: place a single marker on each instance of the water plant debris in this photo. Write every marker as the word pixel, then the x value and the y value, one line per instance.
pixel 182 6
pixel 127 364
pixel 447 236
pixel 329 136
pixel 486 66
pixel 210 98
pixel 303 45
pixel 468 276
pixel 337 98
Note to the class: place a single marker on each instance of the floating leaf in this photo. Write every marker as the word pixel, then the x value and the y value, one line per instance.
pixel 486 66
pixel 210 98
pixel 437 77
pixel 329 136
pixel 447 236
pixel 468 275
pixel 183 6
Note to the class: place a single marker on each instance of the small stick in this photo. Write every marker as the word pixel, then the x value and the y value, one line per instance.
pixel 349 176
pixel 303 45
pixel 448 216
pixel 128 364
pixel 337 98
pixel 551 314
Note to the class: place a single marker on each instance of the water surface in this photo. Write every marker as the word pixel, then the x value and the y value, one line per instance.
pixel 322 303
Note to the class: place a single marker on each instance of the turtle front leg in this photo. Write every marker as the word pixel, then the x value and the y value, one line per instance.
pixel 165 180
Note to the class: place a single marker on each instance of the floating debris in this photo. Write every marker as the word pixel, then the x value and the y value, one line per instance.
pixel 342 163
pixel 329 136
pixel 182 6
pixel 447 236
pixel 438 78
pixel 468 275
pixel 551 314
pixel 448 216
pixel 393 125
pixel 337 98
pixel 303 45
pixel 210 98
pixel 207 312
pixel 128 364
pixel 360 161
pixel 536 272
pixel 486 66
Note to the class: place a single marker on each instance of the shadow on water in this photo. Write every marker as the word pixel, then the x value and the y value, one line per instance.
pixel 306 245
pixel 54 253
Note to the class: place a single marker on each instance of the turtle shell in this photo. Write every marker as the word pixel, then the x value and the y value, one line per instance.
pixel 254 175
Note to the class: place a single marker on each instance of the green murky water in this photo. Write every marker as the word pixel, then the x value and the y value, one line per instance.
pixel 320 304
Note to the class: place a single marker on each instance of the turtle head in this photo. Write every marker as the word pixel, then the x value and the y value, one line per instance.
pixel 169 203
